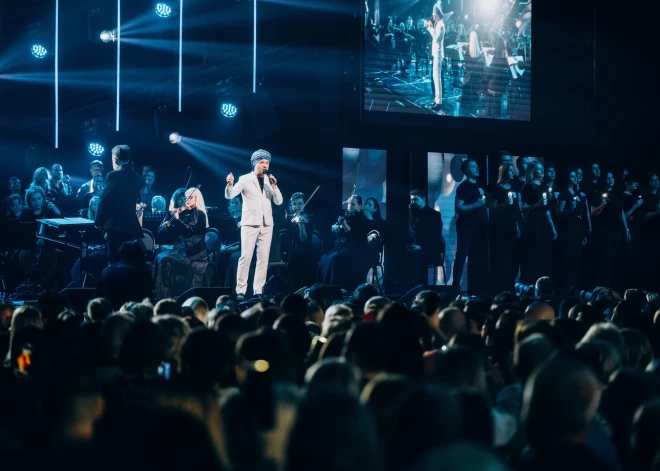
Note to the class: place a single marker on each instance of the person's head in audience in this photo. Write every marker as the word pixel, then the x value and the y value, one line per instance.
pixel 98 310
pixel 320 295
pixel 451 321
pixel 639 352
pixel 207 355
pixel 586 314
pixel 6 311
pixel 23 317
pixel 158 204
pixel 263 353
pixel 315 314
pixel 296 335
pixel 560 401
pixel 602 356
pixel 199 306
pixel 35 199
pixel 364 292
pixel 143 311
pixel 145 347
pixel 607 332
pixel 429 303
pixel 113 334
pixel 460 368
pixel 645 436
pixel 543 289
pixel 14 206
pixel 374 308
pixel 50 305
pixel 530 353
pixel 14 186
pixel 295 305
pixel 167 306
pixel 176 332
pixel 367 348
pixel 332 374
pixel 539 311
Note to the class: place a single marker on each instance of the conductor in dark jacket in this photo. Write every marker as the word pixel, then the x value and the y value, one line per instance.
pixel 116 214
pixel 427 247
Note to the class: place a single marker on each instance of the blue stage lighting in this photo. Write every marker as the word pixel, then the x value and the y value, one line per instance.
pixel 39 51
pixel 96 149
pixel 163 10
pixel 175 138
pixel 228 110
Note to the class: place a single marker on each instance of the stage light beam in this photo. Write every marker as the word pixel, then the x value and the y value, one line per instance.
pixel 39 51
pixel 107 36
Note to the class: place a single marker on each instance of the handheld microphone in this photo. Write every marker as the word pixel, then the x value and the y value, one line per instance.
pixel 270 179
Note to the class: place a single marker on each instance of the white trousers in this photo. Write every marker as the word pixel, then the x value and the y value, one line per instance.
pixel 437 83
pixel 251 236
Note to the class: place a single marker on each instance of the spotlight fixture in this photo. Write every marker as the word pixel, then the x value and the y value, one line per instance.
pixel 39 51
pixel 466 17
pixel 175 138
pixel 163 10
pixel 95 149
pixel 228 110
pixel 107 36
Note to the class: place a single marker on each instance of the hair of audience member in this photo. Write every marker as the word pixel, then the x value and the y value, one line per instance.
pixel 224 299
pixel 476 417
pixel 99 309
pixel 539 311
pixel 267 317
pixel 315 314
pixel 603 357
pixel 142 311
pixel 295 305
pixel 364 292
pixel 476 314
pixel 176 332
pixel 645 435
pixel 207 355
pixel 637 297
pixel 607 332
pixel 585 313
pixel 296 333
pixel 366 347
pixel 332 374
pixel 572 331
pixel 320 295
pixel 216 313
pixel 351 424
pixel 232 327
pixel 553 334
pixel 252 315
pixel 68 316
pixel 333 346
pixel 639 352
pixel 462 455
pixel 544 287
pixel 451 321
pixel 338 317
pixel 50 305
pixel 531 352
pixel 186 311
pixel 167 306
pixel 375 306
pixel 566 305
pixel 266 346
pixel 560 400
pixel 23 317
pixel 199 307
pixel 627 314
pixel 429 417
pixel 30 337
pixel 114 331
pixel 429 303
pixel 460 368
pixel 146 345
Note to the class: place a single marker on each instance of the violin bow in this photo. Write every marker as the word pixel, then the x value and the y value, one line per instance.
pixel 309 199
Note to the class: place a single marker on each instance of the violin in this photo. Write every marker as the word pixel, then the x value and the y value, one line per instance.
pixel 301 217
pixel 176 211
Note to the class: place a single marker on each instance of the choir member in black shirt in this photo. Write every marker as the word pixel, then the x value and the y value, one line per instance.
pixel 519 181
pixel 579 176
pixel 650 229
pixel 630 263
pixel 539 229
pixel 551 189
pixel 610 229
pixel 371 210
pixel 573 225
pixel 347 265
pixel 591 182
pixel 504 230
pixel 471 231
pixel 426 248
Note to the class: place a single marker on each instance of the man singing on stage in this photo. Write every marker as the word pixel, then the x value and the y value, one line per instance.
pixel 256 219
pixel 116 210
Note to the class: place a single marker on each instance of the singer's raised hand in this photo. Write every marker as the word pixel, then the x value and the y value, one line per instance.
pixel 273 180
pixel 230 179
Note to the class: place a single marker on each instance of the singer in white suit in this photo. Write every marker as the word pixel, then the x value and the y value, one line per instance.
pixel 258 189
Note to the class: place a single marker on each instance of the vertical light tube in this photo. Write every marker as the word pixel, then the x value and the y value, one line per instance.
pixel 57 74
pixel 254 48
pixel 180 50
pixel 118 58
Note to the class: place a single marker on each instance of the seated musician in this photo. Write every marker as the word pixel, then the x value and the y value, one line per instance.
pixel 426 249
pixel 14 207
pixel 302 256
pixel 347 265
pixel 40 262
pixel 185 266
pixel 95 190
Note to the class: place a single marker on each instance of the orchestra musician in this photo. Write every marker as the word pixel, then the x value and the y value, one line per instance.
pixel 185 266
pixel 302 255
pixel 436 29
pixel 257 219
pixel 60 185
pixel 95 168
pixel 347 265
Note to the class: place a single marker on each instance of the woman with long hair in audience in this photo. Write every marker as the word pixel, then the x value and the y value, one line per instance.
pixel 185 266
pixel 504 230
pixel 573 225
pixel 539 229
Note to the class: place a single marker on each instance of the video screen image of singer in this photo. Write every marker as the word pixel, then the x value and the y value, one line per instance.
pixel 465 58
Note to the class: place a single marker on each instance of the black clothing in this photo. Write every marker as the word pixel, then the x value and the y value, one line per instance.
pixel 536 237
pixel 572 227
pixel 630 260
pixel 471 239
pixel 116 214
pixel 426 226
pixel 185 266
pixel 608 233
pixel 302 257
pixel 82 193
pixel 347 265
pixel 124 281
pixel 40 263
pixel 517 184
pixel 650 228
pixel 504 220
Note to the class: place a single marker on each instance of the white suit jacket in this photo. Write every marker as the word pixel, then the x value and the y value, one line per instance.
pixel 256 204
pixel 438 44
